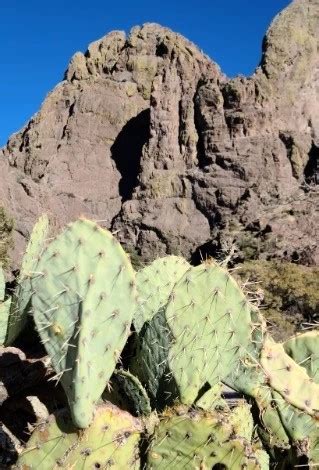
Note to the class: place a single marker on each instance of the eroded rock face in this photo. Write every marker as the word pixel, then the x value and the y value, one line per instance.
pixel 147 135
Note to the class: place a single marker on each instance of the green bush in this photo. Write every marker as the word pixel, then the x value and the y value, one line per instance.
pixel 6 240
pixel 290 292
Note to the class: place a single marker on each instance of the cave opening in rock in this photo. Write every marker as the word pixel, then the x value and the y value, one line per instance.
pixel 312 168
pixel 127 151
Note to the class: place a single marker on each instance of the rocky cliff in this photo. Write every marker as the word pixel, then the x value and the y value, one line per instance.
pixel 146 134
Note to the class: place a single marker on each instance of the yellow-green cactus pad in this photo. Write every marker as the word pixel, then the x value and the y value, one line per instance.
pixel 285 376
pixel 200 440
pixel 111 441
pixel 304 349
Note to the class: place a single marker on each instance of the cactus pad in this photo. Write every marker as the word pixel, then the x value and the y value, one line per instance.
pixel 133 390
pixel 5 308
pixel 212 398
pixel 211 321
pixel 247 376
pixel 112 441
pixel 199 337
pixel 200 440
pixel 2 285
pixel 154 285
pixel 304 349
pixel 289 379
pixel 83 306
pixel 273 429
pixel 302 429
pixel 150 361
pixel 22 295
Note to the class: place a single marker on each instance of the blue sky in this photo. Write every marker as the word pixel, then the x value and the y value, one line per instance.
pixel 38 37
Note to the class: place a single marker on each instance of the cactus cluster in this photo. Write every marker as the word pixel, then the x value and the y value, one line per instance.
pixel 15 308
pixel 145 360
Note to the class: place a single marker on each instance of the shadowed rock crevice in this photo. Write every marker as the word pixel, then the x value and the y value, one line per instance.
pixel 204 252
pixel 200 128
pixel 312 167
pixel 127 151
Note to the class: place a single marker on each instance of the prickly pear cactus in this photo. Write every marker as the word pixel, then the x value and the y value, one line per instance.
pixel 304 350
pixel 21 297
pixel 83 302
pixel 248 376
pixel 199 337
pixel 289 379
pixel 150 361
pixel 112 441
pixel 201 440
pixel 5 308
pixel 212 398
pixel 302 429
pixel 286 397
pixel 273 431
pixel 134 392
pixel 154 285
pixel 212 324
pixel 2 284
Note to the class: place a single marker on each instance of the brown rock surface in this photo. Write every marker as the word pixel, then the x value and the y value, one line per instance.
pixel 146 134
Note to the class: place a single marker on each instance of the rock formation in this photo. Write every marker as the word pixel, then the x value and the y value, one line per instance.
pixel 146 134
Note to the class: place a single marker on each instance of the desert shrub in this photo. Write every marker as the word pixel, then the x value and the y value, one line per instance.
pixel 290 292
pixel 6 240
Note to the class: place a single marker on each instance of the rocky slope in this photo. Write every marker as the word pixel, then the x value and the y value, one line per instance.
pixel 147 134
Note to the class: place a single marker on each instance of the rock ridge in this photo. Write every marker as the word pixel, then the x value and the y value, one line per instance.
pixel 146 134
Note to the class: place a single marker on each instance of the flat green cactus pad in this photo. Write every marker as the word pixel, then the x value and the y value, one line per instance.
pixel 134 392
pixel 154 285
pixel 112 441
pixel 302 429
pixel 2 284
pixel 247 376
pixel 22 296
pixel 83 306
pixel 211 322
pixel 199 338
pixel 273 429
pixel 5 308
pixel 150 361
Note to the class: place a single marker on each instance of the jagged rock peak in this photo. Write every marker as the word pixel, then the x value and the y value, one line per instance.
pixel 146 134
pixel 290 46
pixel 150 41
